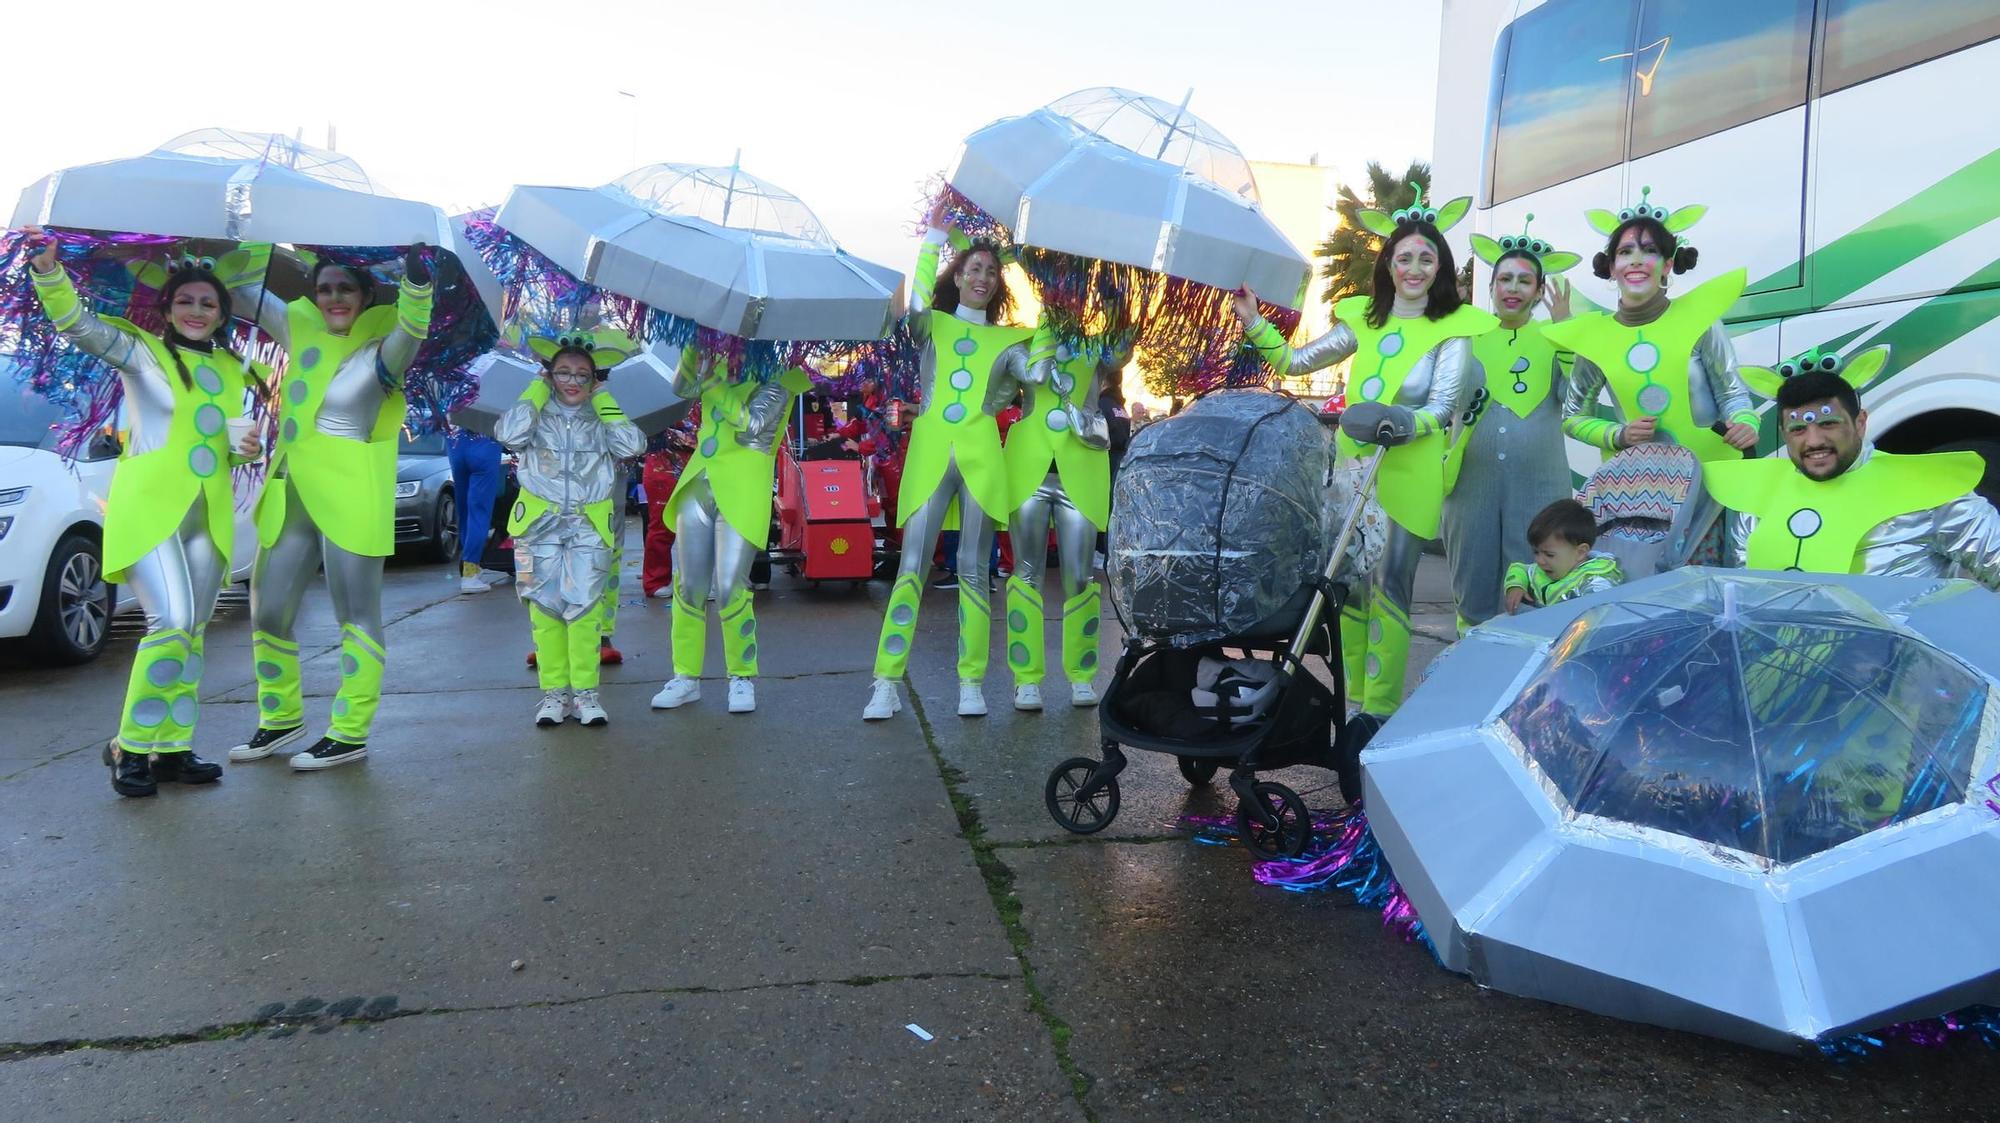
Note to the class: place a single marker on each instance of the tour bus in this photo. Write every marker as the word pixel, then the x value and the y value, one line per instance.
pixel 1846 149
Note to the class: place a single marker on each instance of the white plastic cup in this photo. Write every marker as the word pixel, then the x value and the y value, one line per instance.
pixel 239 428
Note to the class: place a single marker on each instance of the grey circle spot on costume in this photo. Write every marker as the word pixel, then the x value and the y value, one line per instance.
pixel 1017 654
pixel 1371 388
pixel 1655 398
pixel 750 654
pixel 209 420
pixel 1804 523
pixel 202 461
pixel 1088 661
pixel 191 673
pixel 1058 420
pixel 749 628
pixel 183 711
pixel 1373 665
pixel 1017 621
pixel 340 707
pixel 349 665
pixel 269 671
pixel 520 510
pixel 309 358
pixel 961 380
pixel 270 701
pixel 1090 627
pixel 1520 387
pixel 966 346
pixel 208 379
pixel 955 412
pixel 1391 345
pixel 1520 366
pixel 708 446
pixel 1374 631
pixel 296 390
pixel 149 712
pixel 895 645
pixel 164 673
pixel 1642 357
pixel 901 615
pixel 291 432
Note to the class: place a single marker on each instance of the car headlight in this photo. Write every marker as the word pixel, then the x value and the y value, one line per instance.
pixel 6 525
pixel 409 488
pixel 13 495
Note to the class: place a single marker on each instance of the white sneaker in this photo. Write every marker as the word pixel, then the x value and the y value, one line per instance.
pixel 679 691
pixel 884 702
pixel 555 705
pixel 1027 696
pixel 472 585
pixel 971 700
pixel 742 695
pixel 495 577
pixel 662 591
pixel 1082 694
pixel 587 710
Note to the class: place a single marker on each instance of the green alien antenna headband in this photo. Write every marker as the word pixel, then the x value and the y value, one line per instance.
pixel 1444 218
pixel 1676 222
pixel 606 348
pixel 1491 250
pixel 1858 369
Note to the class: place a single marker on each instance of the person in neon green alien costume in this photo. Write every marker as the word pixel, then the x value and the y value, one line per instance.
pixel 1412 338
pixel 570 435
pixel 1837 504
pixel 169 522
pixel 1668 363
pixel 1507 462
pixel 721 512
pixel 329 495
pixel 1059 473
pixel 972 366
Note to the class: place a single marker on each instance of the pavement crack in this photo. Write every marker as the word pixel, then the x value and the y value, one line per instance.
pixel 285 1024
pixel 999 880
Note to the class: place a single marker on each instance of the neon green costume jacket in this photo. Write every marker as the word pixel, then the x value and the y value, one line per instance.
pixel 1044 435
pixel 741 425
pixel 1819 526
pixel 348 486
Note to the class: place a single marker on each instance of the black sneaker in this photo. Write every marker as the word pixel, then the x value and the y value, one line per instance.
pixel 131 774
pixel 328 753
pixel 185 768
pixel 264 742
pixel 948 581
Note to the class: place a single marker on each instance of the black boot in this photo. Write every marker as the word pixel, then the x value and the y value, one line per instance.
pixel 130 774
pixel 185 768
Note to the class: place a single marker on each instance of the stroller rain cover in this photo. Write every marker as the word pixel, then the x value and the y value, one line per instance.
pixel 1219 517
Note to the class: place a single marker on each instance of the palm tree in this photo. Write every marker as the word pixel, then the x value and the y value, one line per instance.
pixel 1348 254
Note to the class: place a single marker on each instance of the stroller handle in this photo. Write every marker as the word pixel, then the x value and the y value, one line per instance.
pixel 1317 605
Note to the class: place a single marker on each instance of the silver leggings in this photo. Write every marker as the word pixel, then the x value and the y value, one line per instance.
pixel 177 581
pixel 975 538
pixel 284 569
pixel 1076 538
pixel 707 549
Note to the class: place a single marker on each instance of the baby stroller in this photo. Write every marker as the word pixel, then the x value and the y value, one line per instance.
pixel 1652 512
pixel 1252 576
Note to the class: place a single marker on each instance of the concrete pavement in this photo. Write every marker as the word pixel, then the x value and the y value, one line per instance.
pixel 736 917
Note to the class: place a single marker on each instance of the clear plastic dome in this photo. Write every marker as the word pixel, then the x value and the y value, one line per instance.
pixel 230 144
pixel 1769 717
pixel 726 196
pixel 1160 130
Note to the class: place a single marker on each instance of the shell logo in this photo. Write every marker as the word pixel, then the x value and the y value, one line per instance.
pixel 839 547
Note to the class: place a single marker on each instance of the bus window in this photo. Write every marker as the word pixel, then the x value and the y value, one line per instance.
pixel 1562 105
pixel 1869 38
pixel 1703 66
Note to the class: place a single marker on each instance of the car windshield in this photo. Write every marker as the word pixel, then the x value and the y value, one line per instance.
pixel 27 421
pixel 424 444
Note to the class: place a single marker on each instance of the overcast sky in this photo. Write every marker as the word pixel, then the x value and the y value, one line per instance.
pixel 849 105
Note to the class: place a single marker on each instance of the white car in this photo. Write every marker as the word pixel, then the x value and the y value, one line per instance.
pixel 52 588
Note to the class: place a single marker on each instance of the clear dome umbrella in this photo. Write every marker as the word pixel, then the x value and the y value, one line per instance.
pixel 713 245
pixel 1119 176
pixel 1748 805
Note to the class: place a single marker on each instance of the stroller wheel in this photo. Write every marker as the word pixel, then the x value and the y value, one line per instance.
pixel 1196 771
pixel 1291 823
pixel 1069 805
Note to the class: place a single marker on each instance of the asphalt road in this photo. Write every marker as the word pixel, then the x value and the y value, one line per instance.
pixel 703 916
